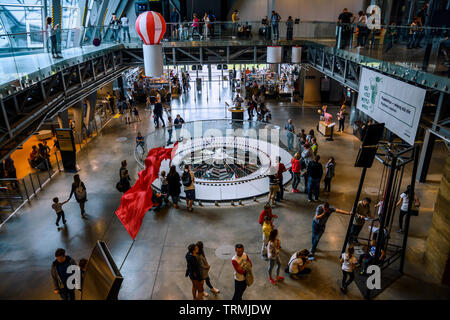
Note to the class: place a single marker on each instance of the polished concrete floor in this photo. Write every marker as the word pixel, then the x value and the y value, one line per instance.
pixel 155 266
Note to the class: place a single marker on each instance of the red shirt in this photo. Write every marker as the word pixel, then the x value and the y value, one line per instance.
pixel 281 169
pixel 238 268
pixel 263 214
pixel 295 165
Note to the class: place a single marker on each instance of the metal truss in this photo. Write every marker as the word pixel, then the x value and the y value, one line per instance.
pixel 215 54
pixel 26 103
pixel 338 68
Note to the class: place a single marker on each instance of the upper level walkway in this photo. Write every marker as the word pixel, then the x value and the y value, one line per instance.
pixel 26 57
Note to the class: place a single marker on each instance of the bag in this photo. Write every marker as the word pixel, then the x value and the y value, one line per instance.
pixel 414 210
pixel 80 192
pixel 249 277
pixel 119 186
pixel 186 179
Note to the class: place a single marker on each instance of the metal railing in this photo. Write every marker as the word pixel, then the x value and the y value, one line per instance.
pixel 386 43
pixel 15 193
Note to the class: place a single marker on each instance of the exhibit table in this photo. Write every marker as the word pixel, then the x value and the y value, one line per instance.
pixel 237 114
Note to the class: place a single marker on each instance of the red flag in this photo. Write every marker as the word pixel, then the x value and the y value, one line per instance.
pixel 138 200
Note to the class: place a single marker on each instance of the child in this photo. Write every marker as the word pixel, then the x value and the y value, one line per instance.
pixel 136 114
pixel 267 212
pixel 164 186
pixel 169 129
pixel 266 229
pixel 156 199
pixel 57 206
pixel 379 205
pixel 348 261
pixel 368 257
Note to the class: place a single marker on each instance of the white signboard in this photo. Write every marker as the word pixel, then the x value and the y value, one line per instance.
pixel 395 103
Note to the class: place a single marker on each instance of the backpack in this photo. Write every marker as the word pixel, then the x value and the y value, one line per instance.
pixel 186 179
pixel 119 186
pixel 80 192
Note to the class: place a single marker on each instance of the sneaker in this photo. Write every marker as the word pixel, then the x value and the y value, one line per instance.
pixel 83 216
pixel 400 231
pixel 280 278
pixel 343 290
pixel 215 290
pixel 295 191
pixel 272 281
pixel 205 294
pixel 310 200
pixel 64 222
pixel 57 224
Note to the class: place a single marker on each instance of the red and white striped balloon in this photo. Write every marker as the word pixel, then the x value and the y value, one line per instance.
pixel 151 27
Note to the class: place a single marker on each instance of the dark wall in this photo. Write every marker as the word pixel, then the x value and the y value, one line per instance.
pixel 200 6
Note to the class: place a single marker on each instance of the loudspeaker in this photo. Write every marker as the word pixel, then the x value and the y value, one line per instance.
pixel 368 149
pixel 219 67
pixel 225 67
pixel 200 67
pixel 194 67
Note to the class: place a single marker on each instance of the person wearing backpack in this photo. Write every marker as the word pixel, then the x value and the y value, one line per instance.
pixel 79 189
pixel 189 187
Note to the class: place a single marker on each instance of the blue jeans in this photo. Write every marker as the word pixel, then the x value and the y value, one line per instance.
pixel 412 39
pixel 295 180
pixel 290 140
pixel 354 232
pixel 67 294
pixel 239 288
pixel 272 264
pixel 317 232
pixel 275 30
pixel 126 31
pixel 313 184
pixel 116 34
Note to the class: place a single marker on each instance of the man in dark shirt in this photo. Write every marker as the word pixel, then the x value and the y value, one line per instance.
pixel 158 111
pixel 345 18
pixel 60 275
pixel 323 212
pixel 111 103
pixel 314 171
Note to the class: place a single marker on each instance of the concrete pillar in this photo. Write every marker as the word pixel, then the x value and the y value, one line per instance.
pixel 425 156
pixel 63 119
pixel 437 252
pixel 311 91
pixel 78 118
pixel 90 113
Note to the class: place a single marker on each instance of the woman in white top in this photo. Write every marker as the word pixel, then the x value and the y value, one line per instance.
pixel 51 34
pixel 297 264
pixel 273 253
pixel 125 27
pixel 349 262
pixel 207 25
pixel 404 201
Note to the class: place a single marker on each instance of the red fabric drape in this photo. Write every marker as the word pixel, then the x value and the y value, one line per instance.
pixel 138 200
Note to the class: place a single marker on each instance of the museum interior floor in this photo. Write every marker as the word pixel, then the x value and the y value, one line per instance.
pixel 155 267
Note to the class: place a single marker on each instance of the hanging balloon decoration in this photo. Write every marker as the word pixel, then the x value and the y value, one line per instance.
pixel 151 27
